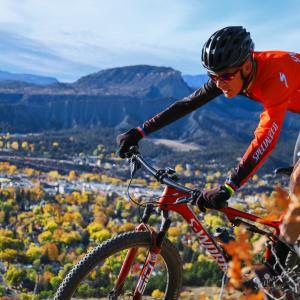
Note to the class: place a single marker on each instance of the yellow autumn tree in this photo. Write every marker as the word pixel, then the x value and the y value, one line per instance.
pixel 157 294
pixel 213 220
pixel 72 217
pixel 53 175
pixel 31 147
pixel 197 173
pixel 51 225
pixel 72 175
pixel 179 168
pixel 2 216
pixel 34 251
pixel 94 227
pixel 14 145
pixel 8 255
pixel 100 215
pixel 12 170
pixel 68 237
pixel 45 236
pixel 127 226
pixel 28 171
pixel 52 251
pixel 37 193
pixel 101 235
pixel 24 145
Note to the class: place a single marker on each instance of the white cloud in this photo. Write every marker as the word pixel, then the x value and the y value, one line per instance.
pixel 99 34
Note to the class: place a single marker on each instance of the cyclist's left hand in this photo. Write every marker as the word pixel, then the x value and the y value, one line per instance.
pixel 212 198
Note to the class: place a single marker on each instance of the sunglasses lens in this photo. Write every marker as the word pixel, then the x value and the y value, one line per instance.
pixel 226 76
pixel 223 77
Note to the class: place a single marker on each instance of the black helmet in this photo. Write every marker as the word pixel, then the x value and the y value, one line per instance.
pixel 227 47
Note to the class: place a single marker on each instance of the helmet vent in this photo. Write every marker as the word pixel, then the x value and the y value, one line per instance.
pixel 227 47
pixel 213 43
pixel 223 43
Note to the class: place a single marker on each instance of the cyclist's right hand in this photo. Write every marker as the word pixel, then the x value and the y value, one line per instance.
pixel 211 198
pixel 127 140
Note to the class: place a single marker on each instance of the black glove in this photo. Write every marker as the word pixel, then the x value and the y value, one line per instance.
pixel 128 139
pixel 212 198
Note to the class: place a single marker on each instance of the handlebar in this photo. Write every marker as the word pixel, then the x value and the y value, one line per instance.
pixel 161 175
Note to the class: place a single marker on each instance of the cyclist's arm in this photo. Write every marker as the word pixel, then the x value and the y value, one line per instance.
pixel 274 96
pixel 182 107
pixel 275 101
pixel 266 136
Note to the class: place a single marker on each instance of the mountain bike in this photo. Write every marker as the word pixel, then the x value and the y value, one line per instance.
pixel 133 264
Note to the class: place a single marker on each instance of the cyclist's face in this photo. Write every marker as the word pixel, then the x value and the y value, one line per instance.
pixel 230 81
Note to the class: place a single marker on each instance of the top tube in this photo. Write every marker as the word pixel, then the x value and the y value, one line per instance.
pixel 230 212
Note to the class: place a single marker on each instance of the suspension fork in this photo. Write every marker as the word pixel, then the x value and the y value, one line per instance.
pixel 131 252
pixel 157 240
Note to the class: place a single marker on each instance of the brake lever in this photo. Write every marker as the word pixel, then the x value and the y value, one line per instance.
pixel 134 166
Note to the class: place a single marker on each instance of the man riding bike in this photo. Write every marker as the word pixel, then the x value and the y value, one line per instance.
pixel 270 77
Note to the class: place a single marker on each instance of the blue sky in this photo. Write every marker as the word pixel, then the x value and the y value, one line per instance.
pixel 71 38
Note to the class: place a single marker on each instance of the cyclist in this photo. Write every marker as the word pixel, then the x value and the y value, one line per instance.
pixel 234 68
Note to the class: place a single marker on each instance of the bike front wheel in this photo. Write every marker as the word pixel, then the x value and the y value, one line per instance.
pixel 95 275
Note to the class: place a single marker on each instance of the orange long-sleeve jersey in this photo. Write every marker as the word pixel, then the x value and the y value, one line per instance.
pixel 276 85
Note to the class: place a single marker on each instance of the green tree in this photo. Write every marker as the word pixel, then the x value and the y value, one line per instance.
pixel 15 276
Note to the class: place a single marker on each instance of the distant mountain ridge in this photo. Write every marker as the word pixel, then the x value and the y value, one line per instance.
pixel 115 98
pixel 125 97
pixel 195 81
pixel 136 81
pixel 27 78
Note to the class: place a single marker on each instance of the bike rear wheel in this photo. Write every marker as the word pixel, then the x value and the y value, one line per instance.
pixel 292 279
pixel 96 273
pixel 285 286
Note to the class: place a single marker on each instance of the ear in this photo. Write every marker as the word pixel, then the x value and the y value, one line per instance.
pixel 247 67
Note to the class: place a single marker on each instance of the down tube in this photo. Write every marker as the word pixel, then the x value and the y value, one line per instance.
pixel 206 240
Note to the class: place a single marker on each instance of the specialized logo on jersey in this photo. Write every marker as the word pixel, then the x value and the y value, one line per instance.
pixel 283 79
pixel 294 57
pixel 265 143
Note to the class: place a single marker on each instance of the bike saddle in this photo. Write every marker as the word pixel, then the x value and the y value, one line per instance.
pixel 286 171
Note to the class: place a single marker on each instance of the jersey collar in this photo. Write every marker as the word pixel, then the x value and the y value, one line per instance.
pixel 248 81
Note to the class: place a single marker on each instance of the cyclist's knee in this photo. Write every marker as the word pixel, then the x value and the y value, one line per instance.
pixel 290 227
pixel 295 181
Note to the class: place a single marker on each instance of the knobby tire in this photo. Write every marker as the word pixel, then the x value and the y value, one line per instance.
pixel 114 245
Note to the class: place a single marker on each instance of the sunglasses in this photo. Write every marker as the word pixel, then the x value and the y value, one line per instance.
pixel 223 77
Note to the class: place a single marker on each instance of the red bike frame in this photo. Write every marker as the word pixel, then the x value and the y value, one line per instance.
pixel 167 202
